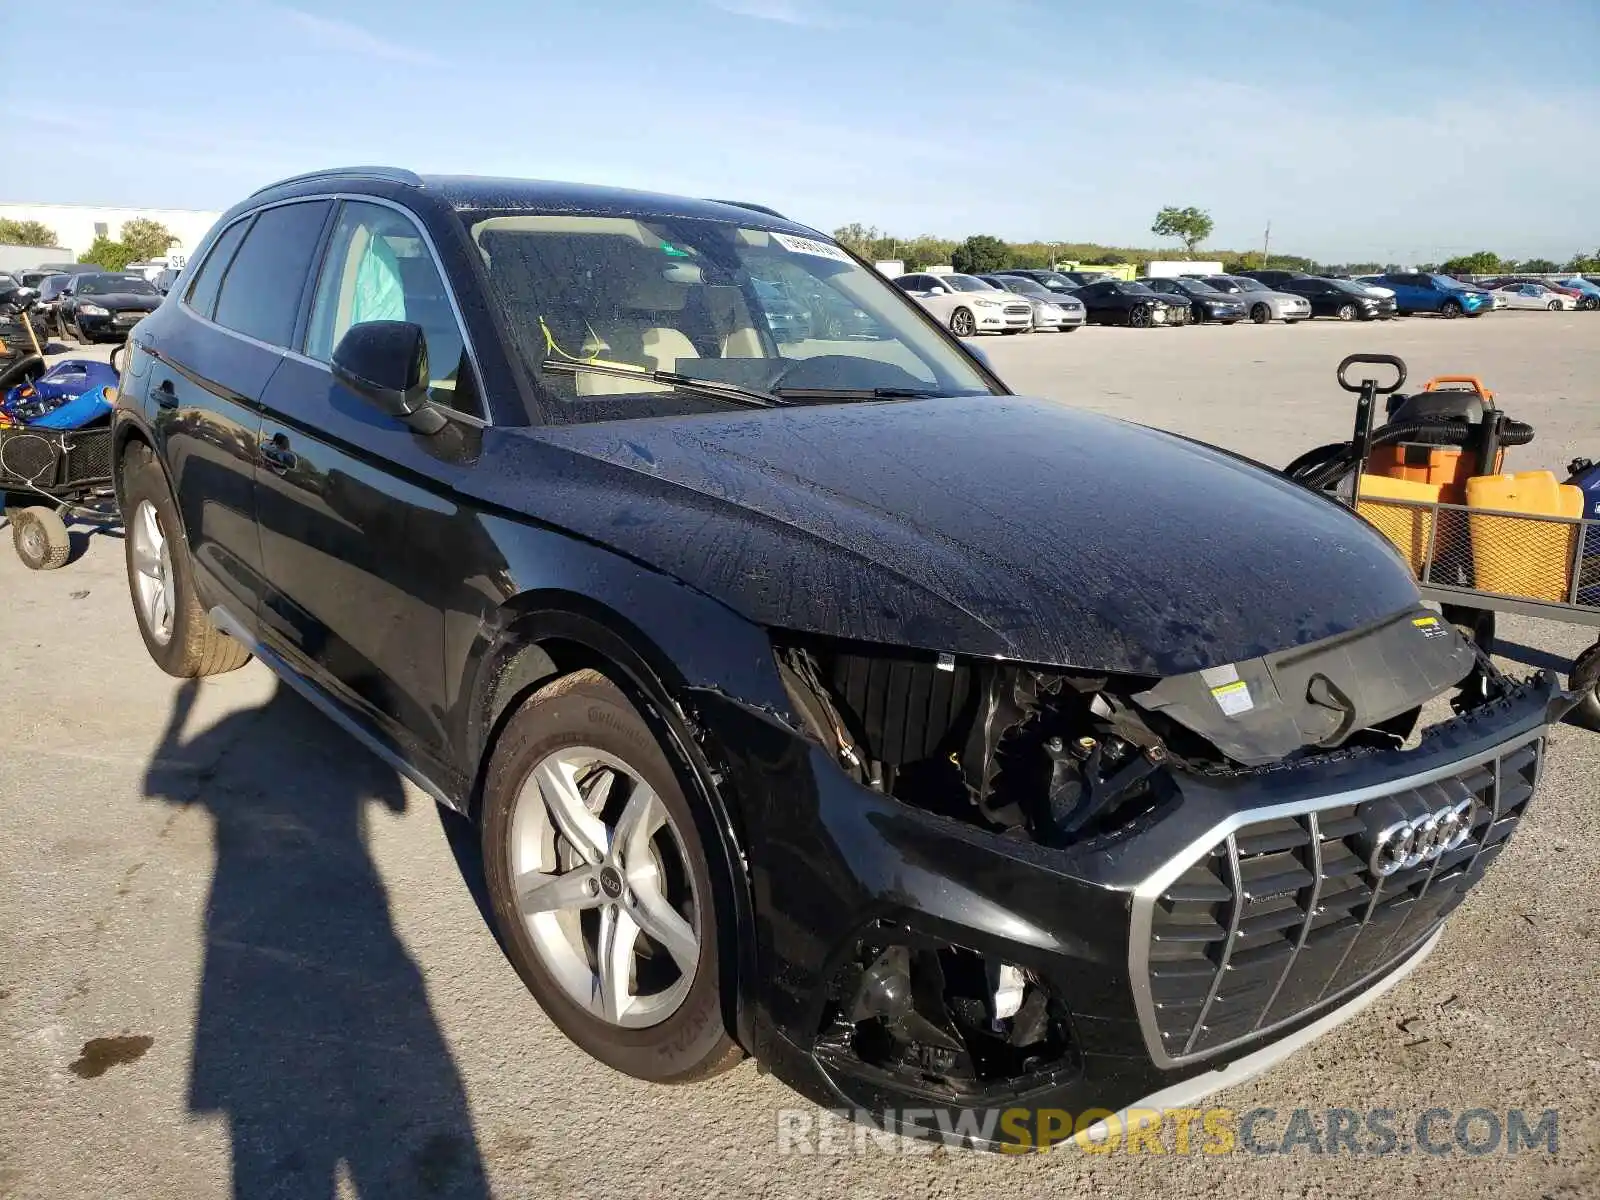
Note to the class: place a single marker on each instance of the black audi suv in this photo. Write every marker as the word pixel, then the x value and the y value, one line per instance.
pixel 816 698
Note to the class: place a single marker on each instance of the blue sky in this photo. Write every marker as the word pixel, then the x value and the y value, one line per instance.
pixel 1362 129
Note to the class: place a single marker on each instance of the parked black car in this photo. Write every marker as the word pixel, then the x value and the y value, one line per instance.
pixel 45 312
pixel 1205 302
pixel 1340 298
pixel 938 746
pixel 1113 302
pixel 94 307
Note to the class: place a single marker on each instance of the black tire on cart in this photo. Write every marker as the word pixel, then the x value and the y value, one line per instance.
pixel 40 537
pixel 1585 676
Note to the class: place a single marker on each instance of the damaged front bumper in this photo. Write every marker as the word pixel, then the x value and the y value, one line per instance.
pixel 908 959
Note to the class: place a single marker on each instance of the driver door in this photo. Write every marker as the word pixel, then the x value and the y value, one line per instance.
pixel 361 538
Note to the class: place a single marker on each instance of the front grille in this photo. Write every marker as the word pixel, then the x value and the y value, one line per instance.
pixel 1284 915
pixel 1018 310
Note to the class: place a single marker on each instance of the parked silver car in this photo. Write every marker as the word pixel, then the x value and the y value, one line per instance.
pixel 1264 303
pixel 1051 310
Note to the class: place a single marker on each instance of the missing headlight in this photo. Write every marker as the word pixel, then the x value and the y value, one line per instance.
pixel 1056 755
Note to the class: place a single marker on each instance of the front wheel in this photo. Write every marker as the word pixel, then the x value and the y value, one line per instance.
pixel 1139 316
pixel 962 324
pixel 176 630
pixel 1261 314
pixel 79 336
pixel 40 537
pixel 1450 310
pixel 600 885
pixel 1347 312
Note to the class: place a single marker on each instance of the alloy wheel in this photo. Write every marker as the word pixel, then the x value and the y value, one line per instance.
pixel 1261 314
pixel 604 886
pixel 1451 310
pixel 962 324
pixel 154 589
pixel 1347 312
pixel 1554 306
pixel 1139 316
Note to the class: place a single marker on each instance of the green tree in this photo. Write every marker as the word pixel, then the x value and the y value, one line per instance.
pixel 925 250
pixel 1585 264
pixel 1483 262
pixel 26 233
pixel 980 253
pixel 1191 226
pixel 1538 266
pixel 146 238
pixel 854 236
pixel 109 255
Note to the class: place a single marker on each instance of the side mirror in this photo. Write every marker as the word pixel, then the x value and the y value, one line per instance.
pixel 386 362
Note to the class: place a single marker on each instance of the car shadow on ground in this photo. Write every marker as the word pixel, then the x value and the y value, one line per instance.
pixel 1528 656
pixel 314 1036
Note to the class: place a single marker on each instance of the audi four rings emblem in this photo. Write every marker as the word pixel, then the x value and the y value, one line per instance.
pixel 1407 844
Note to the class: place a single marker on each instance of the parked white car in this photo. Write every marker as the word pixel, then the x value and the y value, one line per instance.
pixel 967 304
pixel 1533 295
pixel 1051 310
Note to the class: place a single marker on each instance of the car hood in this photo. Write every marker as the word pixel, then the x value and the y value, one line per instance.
pixel 122 301
pixel 994 525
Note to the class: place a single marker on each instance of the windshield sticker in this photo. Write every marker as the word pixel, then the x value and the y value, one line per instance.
pixel 672 251
pixel 800 245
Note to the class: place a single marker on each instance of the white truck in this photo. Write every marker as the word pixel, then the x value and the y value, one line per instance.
pixel 1174 270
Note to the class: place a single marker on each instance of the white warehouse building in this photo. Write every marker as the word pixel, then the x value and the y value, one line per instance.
pixel 77 225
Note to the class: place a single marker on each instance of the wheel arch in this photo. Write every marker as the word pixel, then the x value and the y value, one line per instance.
pixel 546 634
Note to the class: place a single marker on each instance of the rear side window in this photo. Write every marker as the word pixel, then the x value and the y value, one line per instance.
pixel 261 293
pixel 202 295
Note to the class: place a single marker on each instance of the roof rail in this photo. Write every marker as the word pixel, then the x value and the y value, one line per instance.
pixel 760 208
pixel 389 174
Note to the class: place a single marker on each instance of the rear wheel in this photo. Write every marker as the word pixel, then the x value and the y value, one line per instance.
pixel 1450 309
pixel 40 537
pixel 1347 312
pixel 600 884
pixel 1260 314
pixel 176 630
pixel 1554 306
pixel 962 324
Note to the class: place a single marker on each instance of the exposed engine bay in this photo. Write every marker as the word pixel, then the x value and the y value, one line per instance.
pixel 1061 756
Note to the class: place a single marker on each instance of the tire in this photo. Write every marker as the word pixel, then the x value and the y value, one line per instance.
pixel 1197 314
pixel 186 644
pixel 79 336
pixel 1011 331
pixel 1071 328
pixel 1295 321
pixel 1139 316
pixel 1554 306
pixel 1450 310
pixel 1261 314
pixel 962 324
pixel 584 717
pixel 40 537
pixel 1347 312
pixel 1586 675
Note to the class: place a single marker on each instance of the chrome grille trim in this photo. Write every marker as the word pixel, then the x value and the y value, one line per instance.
pixel 1224 837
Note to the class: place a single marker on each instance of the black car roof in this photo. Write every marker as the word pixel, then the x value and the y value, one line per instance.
pixel 488 193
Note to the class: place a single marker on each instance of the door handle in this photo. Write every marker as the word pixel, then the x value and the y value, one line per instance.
pixel 166 397
pixel 276 454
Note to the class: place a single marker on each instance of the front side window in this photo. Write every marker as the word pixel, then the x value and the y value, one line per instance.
pixel 378 268
pixel 260 295
pixel 594 303
pixel 968 283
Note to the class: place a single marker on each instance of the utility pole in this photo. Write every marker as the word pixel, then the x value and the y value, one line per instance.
pixel 1266 242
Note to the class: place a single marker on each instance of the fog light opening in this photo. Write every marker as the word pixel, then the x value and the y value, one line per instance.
pixel 943 1018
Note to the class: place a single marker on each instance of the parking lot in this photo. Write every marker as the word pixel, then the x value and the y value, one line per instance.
pixel 235 946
